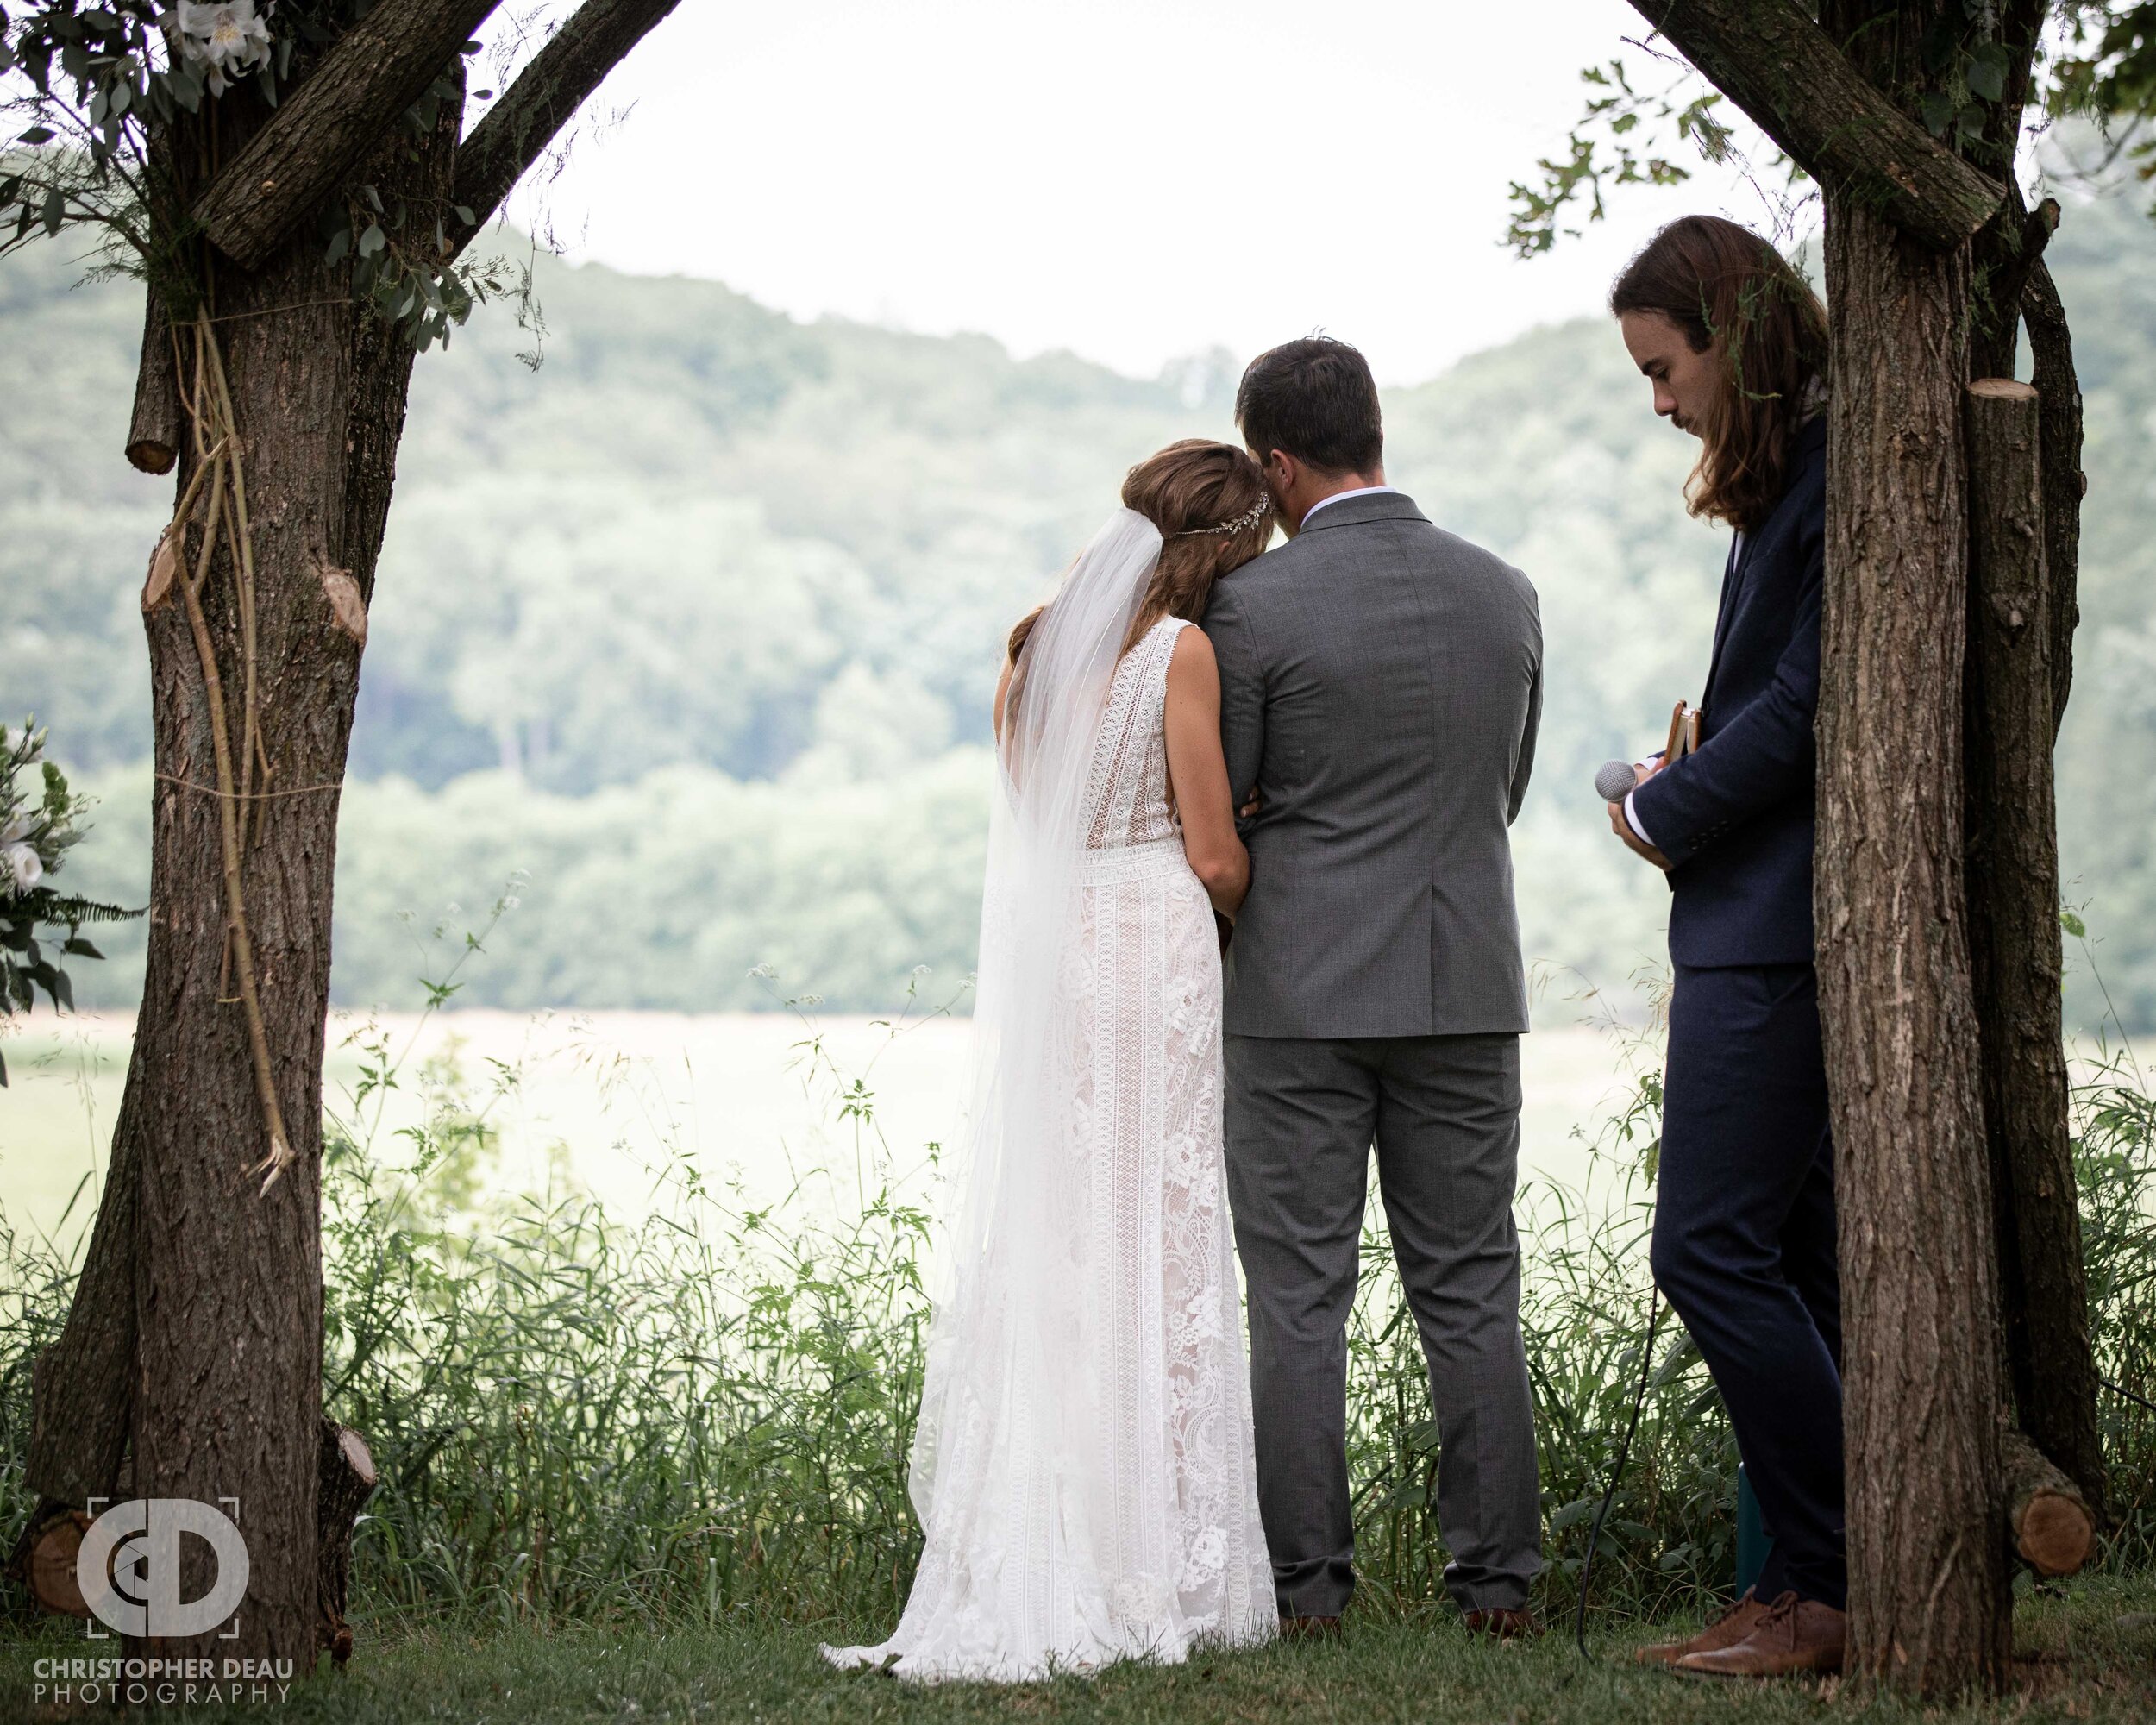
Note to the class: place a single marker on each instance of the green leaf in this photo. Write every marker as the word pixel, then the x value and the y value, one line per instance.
pixel 373 241
pixel 55 210
pixel 464 215
pixel 339 245
pixel 38 134
pixel 1987 74
pixel 1937 109
pixel 1683 1356
pixel 2073 924
pixel 1571 1513
pixel 80 948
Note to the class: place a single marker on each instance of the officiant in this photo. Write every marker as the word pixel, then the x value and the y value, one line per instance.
pixel 1733 340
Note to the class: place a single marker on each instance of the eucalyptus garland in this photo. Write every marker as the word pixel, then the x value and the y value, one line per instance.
pixel 94 82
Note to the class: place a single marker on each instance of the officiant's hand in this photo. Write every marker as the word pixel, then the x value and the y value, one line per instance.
pixel 1642 771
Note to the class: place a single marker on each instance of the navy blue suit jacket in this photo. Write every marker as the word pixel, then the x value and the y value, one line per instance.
pixel 1734 818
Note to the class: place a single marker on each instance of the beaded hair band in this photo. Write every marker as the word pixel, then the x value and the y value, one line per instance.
pixel 1250 517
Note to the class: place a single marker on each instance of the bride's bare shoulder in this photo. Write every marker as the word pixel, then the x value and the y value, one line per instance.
pixel 1192 658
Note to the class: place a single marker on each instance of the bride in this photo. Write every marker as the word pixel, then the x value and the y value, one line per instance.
pixel 1083 1468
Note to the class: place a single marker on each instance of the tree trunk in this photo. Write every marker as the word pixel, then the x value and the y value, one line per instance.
pixel 2012 860
pixel 197 1331
pixel 1929 1606
pixel 1930 1603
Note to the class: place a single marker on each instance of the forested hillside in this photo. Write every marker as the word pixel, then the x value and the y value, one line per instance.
pixel 695 623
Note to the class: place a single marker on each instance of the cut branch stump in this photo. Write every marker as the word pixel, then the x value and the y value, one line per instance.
pixel 349 1479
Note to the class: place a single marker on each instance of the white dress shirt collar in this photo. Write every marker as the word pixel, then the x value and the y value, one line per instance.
pixel 1342 496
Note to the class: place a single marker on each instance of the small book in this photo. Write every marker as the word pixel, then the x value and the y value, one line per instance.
pixel 1683 732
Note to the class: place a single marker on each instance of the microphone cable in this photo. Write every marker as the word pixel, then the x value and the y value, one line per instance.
pixel 1617 1471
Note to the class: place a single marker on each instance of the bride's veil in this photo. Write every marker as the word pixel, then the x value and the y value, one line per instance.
pixel 1009 1309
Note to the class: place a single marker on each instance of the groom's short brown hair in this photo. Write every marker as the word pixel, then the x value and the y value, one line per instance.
pixel 1316 400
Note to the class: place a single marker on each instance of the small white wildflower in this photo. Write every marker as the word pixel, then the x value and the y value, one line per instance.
pixel 762 972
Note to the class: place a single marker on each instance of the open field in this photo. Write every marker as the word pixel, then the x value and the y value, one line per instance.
pixel 756 1095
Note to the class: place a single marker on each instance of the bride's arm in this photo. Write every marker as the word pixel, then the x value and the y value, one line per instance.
pixel 1198 772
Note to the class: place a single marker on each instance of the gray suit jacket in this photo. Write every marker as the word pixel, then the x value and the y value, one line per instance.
pixel 1381 685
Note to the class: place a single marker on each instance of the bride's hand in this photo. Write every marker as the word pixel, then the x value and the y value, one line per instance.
pixel 1248 809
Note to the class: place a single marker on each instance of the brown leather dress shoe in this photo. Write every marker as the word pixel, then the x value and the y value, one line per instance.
pixel 1792 1635
pixel 1309 1628
pixel 1504 1623
pixel 1722 1630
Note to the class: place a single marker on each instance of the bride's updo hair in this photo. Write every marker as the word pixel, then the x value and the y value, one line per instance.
pixel 1209 502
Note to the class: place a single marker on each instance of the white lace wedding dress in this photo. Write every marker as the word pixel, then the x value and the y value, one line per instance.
pixel 1091 1491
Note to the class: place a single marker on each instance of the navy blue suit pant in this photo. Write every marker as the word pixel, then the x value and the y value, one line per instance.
pixel 1743 1246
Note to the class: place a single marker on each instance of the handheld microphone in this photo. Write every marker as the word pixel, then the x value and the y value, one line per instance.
pixel 1614 781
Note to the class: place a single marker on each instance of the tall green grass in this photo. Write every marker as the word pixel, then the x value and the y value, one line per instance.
pixel 707 1411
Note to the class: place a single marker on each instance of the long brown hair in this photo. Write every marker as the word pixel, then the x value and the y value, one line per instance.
pixel 1188 490
pixel 1729 290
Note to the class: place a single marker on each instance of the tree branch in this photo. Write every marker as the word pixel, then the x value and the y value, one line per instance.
pixel 2058 391
pixel 546 95
pixel 377 69
pixel 1770 58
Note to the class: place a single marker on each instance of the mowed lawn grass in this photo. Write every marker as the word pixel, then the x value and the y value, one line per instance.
pixel 2089 1654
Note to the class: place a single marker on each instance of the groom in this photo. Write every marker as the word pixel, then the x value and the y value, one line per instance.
pixel 1380 683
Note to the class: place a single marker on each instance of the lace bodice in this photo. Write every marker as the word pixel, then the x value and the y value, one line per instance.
pixel 1128 793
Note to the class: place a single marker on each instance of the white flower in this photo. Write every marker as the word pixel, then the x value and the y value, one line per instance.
pixel 22 867
pixel 30 743
pixel 228 36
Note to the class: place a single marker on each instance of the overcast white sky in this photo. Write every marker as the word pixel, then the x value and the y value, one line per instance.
pixel 1133 179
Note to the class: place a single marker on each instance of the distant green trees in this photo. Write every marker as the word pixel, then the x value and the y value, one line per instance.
pixel 724 589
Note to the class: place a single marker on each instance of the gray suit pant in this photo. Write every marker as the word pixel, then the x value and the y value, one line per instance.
pixel 1444 1111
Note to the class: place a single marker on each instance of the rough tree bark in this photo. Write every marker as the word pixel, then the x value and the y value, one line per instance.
pixel 286 167
pixel 1920 1366
pixel 191 1360
pixel 228 1284
pixel 347 1479
pixel 2058 396
pixel 1929 1599
pixel 2014 696
pixel 2013 934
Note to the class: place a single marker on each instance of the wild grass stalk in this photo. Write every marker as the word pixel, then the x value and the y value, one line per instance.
pixel 706 1411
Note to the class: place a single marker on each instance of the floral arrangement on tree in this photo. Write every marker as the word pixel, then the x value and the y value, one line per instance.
pixel 93 80
pixel 39 824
